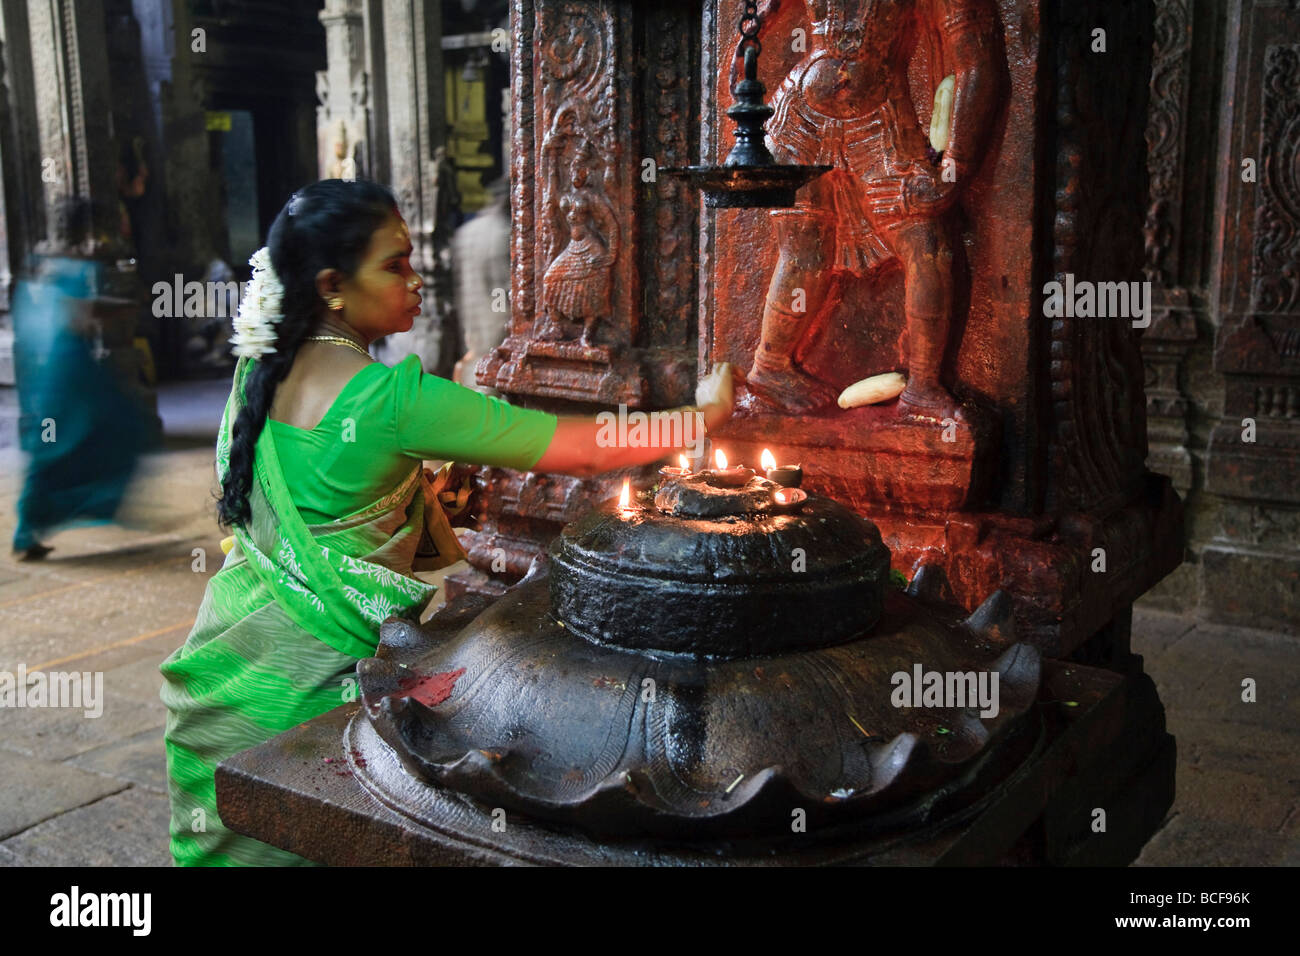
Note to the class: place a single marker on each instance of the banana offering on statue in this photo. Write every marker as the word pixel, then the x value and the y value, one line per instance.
pixel 871 391
pixel 941 117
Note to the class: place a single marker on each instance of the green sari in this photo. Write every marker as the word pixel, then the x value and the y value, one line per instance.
pixel 278 635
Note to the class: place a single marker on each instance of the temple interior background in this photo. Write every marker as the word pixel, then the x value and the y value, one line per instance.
pixel 188 122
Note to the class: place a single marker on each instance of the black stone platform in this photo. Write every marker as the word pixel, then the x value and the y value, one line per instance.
pixel 1104 746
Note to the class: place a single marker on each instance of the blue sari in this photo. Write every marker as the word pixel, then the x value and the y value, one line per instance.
pixel 84 433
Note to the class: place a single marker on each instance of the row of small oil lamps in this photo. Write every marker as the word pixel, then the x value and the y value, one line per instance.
pixel 789 477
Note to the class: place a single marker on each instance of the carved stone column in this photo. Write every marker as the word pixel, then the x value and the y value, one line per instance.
pixel 343 117
pixel 8 397
pixel 69 56
pixel 1173 330
pixel 1251 569
pixel 399 95
pixel 25 206
pixel 597 90
pixel 1043 489
pixel 71 93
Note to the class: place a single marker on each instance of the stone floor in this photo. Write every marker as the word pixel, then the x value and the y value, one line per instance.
pixel 117 600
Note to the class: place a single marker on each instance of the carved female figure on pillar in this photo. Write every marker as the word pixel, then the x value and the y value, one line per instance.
pixel 577 287
pixel 848 103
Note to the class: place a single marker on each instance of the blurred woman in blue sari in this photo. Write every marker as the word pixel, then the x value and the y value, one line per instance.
pixel 83 432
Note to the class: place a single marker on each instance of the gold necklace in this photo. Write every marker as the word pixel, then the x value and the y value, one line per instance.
pixel 338 340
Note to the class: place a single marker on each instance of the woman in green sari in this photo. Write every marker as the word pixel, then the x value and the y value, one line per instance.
pixel 320 460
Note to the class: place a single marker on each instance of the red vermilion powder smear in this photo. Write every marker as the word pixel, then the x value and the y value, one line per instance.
pixel 432 690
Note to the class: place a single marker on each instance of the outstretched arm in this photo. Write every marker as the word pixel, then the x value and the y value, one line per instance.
pixel 576 448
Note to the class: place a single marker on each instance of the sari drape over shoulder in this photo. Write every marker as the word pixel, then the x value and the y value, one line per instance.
pixel 287 616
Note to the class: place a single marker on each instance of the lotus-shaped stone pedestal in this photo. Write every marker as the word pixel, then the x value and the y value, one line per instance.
pixel 699 679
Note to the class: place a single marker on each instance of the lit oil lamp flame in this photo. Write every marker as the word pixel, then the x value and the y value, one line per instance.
pixel 767 460
pixel 625 496
pixel 720 460
pixel 683 462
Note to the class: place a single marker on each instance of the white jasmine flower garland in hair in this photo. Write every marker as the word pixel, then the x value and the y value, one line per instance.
pixel 259 310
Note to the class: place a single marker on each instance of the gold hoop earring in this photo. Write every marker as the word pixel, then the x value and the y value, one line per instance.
pixel 336 303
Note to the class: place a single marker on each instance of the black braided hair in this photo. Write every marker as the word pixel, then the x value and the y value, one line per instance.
pixel 326 225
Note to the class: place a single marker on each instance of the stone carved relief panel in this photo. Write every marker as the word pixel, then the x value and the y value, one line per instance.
pixel 1099 441
pixel 1258 345
pixel 1166 129
pixel 1000 354
pixel 671 221
pixel 596 249
pixel 599 91
pixel 1173 330
pixel 901 258
pixel 578 232
pixel 1276 258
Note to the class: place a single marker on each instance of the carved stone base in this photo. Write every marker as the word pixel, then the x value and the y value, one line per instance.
pixel 1165 346
pixel 1263 469
pixel 519 518
pixel 1109 750
pixel 566 370
pixel 1272 601
pixel 872 454
pixel 1046 563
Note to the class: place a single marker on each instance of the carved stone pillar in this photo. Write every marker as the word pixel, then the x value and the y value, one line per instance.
pixel 8 162
pixel 70 59
pixel 8 398
pixel 597 90
pixel 25 207
pixel 192 214
pixel 1042 489
pixel 1251 569
pixel 400 96
pixel 1173 330
pixel 72 94
pixel 343 117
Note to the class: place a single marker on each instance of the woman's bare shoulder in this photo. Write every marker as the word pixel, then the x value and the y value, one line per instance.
pixel 320 372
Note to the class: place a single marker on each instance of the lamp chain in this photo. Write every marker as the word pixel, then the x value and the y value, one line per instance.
pixel 748 28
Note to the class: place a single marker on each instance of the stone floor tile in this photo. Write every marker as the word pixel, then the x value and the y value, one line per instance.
pixel 139 760
pixel 128 828
pixel 32 790
pixel 1155 631
pixel 1191 841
